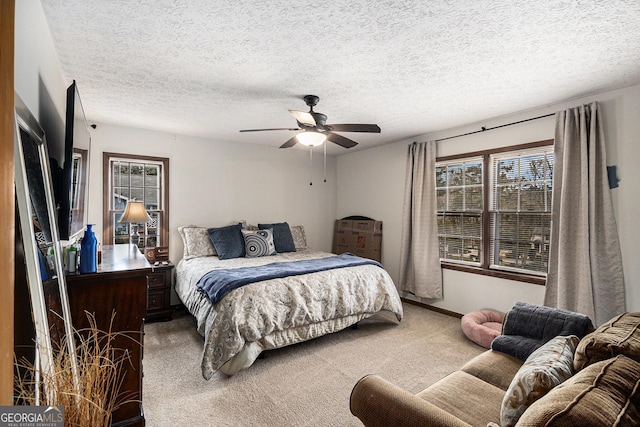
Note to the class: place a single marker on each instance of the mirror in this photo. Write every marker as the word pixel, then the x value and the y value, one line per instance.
pixel 42 248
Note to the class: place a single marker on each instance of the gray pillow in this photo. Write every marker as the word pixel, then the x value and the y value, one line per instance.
pixel 281 236
pixel 228 241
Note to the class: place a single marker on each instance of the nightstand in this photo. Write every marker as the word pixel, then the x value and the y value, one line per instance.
pixel 159 292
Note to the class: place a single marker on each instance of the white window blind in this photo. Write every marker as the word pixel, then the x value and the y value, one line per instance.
pixel 520 210
pixel 459 195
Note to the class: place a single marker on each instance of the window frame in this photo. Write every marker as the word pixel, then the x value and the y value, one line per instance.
pixel 484 267
pixel 107 187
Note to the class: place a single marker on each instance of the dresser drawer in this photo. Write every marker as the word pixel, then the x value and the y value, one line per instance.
pixel 156 280
pixel 155 300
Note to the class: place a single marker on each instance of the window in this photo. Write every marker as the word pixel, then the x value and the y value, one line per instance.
pixel 459 196
pixel 494 210
pixel 520 215
pixel 143 178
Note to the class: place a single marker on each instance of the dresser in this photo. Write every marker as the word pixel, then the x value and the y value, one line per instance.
pixel 120 286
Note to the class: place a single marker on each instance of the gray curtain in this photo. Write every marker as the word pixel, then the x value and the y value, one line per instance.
pixel 585 263
pixel 420 272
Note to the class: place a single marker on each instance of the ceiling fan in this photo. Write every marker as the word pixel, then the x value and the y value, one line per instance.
pixel 315 130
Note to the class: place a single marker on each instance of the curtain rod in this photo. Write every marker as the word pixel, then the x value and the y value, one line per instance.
pixel 482 129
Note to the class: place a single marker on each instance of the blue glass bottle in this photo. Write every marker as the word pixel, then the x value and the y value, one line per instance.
pixel 88 251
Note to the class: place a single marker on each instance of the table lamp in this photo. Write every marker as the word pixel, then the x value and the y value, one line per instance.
pixel 134 214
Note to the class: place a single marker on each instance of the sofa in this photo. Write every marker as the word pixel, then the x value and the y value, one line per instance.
pixel 566 381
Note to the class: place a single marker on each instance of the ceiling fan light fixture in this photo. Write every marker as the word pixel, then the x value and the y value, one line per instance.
pixel 311 138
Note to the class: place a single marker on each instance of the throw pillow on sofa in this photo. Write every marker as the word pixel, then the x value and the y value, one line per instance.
pixel 544 369
pixel 605 393
pixel 620 335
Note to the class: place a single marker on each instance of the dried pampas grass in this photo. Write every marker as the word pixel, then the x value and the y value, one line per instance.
pixel 99 370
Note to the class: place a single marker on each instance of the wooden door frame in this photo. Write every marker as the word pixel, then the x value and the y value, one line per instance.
pixel 7 199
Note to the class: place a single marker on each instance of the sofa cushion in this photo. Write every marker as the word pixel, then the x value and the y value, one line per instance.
pixel 605 393
pixel 620 335
pixel 494 368
pixel 466 397
pixel 545 368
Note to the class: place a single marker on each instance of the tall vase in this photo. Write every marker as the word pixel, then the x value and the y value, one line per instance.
pixel 88 251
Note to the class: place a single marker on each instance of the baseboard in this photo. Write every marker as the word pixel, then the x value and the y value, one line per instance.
pixel 180 308
pixel 433 308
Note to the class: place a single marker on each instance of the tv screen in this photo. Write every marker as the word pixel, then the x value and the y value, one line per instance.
pixel 71 177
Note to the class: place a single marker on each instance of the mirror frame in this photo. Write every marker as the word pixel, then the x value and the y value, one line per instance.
pixel 26 122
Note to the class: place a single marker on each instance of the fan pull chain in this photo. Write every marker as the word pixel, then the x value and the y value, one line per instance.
pixel 325 162
pixel 310 165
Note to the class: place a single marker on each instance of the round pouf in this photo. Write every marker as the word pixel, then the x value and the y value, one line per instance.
pixel 482 326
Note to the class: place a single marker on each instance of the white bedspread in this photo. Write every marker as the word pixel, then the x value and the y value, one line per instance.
pixel 279 312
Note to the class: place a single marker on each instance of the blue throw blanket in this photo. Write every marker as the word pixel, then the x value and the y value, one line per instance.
pixel 528 326
pixel 217 283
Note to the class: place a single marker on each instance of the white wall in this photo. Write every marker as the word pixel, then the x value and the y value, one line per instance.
pixel 371 182
pixel 214 183
pixel 39 80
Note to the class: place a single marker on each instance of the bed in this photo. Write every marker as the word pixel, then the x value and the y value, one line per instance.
pixel 274 312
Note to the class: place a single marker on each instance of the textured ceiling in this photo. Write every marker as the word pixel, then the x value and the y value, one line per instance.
pixel 210 68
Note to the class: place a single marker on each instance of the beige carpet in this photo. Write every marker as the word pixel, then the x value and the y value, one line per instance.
pixel 307 384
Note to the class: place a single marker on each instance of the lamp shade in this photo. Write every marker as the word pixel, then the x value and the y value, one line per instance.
pixel 311 138
pixel 135 213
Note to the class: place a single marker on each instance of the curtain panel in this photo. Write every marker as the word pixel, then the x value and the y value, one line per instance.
pixel 420 272
pixel 585 263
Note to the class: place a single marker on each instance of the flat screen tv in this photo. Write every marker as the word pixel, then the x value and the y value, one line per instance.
pixel 70 171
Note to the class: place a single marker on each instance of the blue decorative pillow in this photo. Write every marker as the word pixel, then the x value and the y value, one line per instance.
pixel 258 243
pixel 228 241
pixel 281 236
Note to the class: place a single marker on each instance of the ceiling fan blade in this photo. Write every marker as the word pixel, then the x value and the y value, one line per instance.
pixel 290 143
pixel 371 128
pixel 303 117
pixel 260 130
pixel 341 140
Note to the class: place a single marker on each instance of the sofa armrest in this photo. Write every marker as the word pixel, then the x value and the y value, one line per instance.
pixel 377 402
